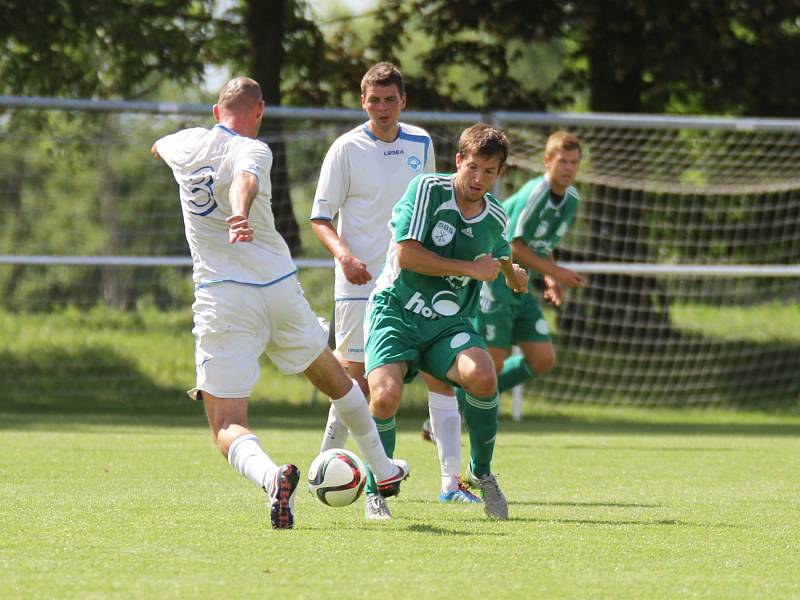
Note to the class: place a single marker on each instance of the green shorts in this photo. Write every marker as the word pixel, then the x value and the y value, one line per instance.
pixel 502 325
pixel 395 334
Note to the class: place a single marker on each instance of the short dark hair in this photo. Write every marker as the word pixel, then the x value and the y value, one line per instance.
pixel 383 73
pixel 484 140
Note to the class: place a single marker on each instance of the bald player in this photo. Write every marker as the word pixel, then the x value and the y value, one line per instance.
pixel 248 300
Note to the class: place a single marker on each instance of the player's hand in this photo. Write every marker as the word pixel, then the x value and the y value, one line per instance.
pixel 485 268
pixel 355 270
pixel 239 230
pixel 569 279
pixel 519 283
pixel 553 292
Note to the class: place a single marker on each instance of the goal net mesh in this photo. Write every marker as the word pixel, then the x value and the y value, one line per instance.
pixel 79 195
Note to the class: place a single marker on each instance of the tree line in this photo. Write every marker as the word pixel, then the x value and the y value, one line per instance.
pixel 732 57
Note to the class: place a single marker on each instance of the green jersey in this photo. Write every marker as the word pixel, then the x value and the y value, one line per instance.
pixel 540 220
pixel 428 213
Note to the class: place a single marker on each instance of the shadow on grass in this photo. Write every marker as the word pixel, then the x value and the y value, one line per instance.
pixel 439 531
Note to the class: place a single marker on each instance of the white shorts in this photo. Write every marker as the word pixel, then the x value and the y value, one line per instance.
pixel 235 323
pixel 349 327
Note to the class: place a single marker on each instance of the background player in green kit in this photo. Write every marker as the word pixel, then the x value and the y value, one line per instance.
pixel 448 236
pixel 539 214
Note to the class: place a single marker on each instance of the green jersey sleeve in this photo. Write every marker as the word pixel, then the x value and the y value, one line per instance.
pixel 502 248
pixel 410 215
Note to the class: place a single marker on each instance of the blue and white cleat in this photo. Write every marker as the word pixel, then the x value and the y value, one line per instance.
pixel 459 495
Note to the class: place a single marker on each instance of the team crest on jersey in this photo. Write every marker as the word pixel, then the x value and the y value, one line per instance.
pixel 442 233
pixel 541 229
pixel 414 163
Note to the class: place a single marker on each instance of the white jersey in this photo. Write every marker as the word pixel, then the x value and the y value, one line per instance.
pixel 204 162
pixel 362 178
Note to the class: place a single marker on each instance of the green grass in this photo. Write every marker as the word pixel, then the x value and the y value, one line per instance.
pixel 604 502
pixel 110 486
pixel 771 322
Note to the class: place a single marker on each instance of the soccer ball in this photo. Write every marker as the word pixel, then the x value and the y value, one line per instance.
pixel 336 477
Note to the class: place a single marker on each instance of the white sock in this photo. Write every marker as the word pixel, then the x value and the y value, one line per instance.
pixel 446 425
pixel 354 413
pixel 336 433
pixel 247 457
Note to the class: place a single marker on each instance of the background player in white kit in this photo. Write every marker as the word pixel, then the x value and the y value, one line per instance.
pixel 247 298
pixel 363 176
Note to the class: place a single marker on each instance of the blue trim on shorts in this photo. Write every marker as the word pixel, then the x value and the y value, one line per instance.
pixel 269 283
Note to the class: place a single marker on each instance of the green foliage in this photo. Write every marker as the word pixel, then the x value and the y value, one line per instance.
pixel 472 54
pixel 629 56
pixel 100 49
pixel 87 187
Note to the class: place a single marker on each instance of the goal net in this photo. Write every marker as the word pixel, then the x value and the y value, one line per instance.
pixel 689 233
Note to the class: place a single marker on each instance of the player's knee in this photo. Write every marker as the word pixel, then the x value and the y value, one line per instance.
pixel 481 383
pixel 543 362
pixel 382 408
pixel 384 400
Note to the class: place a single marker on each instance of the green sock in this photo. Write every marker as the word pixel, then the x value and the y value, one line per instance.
pixel 515 371
pixel 388 434
pixel 481 415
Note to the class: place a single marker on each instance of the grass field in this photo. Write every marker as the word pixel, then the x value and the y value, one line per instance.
pixel 110 485
pixel 604 503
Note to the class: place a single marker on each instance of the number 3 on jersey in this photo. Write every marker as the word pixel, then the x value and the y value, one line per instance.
pixel 201 188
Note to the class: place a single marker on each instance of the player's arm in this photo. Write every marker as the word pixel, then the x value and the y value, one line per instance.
pixel 533 262
pixel 553 292
pixel 329 198
pixel 516 276
pixel 413 256
pixel 354 269
pixel 154 151
pixel 241 195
